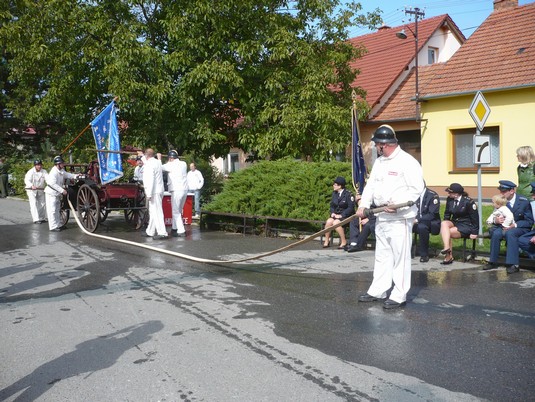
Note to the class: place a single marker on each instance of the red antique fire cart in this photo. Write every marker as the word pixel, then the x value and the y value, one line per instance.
pixel 93 201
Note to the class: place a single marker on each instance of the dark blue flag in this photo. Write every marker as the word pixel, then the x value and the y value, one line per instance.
pixel 358 166
pixel 106 133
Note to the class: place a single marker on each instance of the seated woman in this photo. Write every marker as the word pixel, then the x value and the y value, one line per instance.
pixel 461 219
pixel 342 207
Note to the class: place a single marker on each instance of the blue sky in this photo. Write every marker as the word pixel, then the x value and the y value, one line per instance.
pixel 467 14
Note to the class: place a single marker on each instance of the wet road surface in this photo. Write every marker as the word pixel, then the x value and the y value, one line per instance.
pixel 89 319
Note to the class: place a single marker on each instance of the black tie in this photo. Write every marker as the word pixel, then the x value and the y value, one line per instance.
pixel 455 203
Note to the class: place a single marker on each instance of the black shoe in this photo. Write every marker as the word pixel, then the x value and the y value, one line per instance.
pixel 512 269
pixel 56 230
pixel 174 233
pixel 353 249
pixel 160 237
pixel 447 262
pixel 490 265
pixel 38 222
pixel 368 298
pixel 424 258
pixel 391 304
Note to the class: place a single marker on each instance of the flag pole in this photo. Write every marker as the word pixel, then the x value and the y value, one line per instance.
pixel 353 111
pixel 81 132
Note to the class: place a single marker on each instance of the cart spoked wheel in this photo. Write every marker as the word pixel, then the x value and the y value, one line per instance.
pixel 64 215
pixel 88 208
pixel 64 212
pixel 137 218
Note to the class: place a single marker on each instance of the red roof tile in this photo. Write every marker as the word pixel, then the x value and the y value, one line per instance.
pixel 387 56
pixel 401 105
pixel 500 54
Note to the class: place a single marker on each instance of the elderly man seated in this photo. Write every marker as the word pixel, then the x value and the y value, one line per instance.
pixel 523 215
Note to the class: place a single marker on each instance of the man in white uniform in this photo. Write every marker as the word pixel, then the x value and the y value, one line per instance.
pixel 138 171
pixel 153 185
pixel 34 182
pixel 396 177
pixel 54 192
pixel 177 185
pixel 195 183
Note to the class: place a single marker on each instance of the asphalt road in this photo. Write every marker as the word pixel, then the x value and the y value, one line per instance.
pixel 87 319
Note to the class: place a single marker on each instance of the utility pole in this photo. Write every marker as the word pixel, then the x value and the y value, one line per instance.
pixel 418 14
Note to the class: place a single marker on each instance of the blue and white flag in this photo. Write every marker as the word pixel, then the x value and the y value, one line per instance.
pixel 358 165
pixel 106 133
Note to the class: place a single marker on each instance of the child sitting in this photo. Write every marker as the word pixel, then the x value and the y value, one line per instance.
pixel 500 209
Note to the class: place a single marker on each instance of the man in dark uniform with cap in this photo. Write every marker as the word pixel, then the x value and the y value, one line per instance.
pixel 427 221
pixel 521 209
pixel 526 242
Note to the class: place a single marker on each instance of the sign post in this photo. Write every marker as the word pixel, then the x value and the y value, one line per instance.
pixel 480 111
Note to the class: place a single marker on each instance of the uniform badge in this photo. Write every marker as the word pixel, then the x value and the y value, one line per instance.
pixel 352 199
pixel 435 201
pixel 474 207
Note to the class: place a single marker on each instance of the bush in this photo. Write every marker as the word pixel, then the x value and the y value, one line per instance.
pixel 285 188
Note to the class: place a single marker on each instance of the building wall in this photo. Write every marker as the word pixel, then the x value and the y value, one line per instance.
pixel 513 111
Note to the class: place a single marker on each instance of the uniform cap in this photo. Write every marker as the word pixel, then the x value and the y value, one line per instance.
pixel 37 162
pixel 173 154
pixel 455 188
pixel 340 180
pixel 506 185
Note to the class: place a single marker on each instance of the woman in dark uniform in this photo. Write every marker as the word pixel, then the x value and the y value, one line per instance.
pixel 461 219
pixel 342 207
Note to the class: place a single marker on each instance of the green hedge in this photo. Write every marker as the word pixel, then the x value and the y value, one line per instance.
pixel 285 188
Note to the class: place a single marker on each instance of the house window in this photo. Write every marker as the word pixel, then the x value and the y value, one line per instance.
pixel 432 55
pixel 463 150
pixel 234 162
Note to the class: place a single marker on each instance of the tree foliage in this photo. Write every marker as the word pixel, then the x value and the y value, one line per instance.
pixel 268 76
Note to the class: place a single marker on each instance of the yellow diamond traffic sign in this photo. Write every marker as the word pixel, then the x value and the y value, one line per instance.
pixel 479 110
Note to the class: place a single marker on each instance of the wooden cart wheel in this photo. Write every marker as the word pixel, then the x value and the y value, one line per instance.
pixel 137 217
pixel 88 208
pixel 64 215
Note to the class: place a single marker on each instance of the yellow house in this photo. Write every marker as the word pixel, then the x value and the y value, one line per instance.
pixel 498 60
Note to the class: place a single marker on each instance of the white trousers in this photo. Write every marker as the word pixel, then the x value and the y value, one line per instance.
pixel 392 259
pixel 53 205
pixel 156 224
pixel 37 204
pixel 178 199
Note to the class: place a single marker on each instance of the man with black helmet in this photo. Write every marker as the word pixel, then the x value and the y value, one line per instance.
pixel 177 185
pixel 54 192
pixel 34 181
pixel 396 177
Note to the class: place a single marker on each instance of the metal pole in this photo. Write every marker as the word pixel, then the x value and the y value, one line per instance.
pixel 479 199
pixel 417 12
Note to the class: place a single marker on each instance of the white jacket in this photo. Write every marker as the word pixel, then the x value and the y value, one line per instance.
pixel 55 181
pixel 394 180
pixel 177 175
pixel 153 177
pixel 195 180
pixel 506 213
pixel 35 179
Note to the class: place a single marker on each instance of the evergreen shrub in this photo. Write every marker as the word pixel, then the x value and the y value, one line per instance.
pixel 285 188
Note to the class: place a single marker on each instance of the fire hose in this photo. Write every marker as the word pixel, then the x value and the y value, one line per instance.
pixel 367 213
